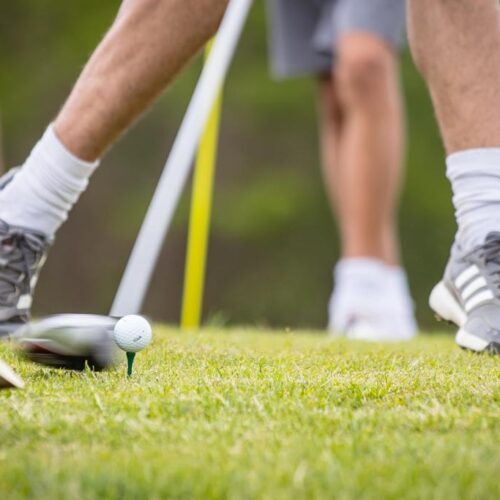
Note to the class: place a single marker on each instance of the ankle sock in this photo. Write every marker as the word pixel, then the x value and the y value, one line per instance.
pixel 475 179
pixel 43 192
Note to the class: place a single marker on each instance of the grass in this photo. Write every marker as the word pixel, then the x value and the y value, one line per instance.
pixel 247 414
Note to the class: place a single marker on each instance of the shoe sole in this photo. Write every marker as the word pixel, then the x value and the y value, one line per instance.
pixel 446 307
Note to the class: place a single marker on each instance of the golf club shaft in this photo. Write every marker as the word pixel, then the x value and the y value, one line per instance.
pixel 137 276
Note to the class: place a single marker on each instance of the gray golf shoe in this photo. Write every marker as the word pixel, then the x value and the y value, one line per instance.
pixel 22 255
pixel 469 295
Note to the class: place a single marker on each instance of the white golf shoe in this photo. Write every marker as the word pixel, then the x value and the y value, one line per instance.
pixel 373 306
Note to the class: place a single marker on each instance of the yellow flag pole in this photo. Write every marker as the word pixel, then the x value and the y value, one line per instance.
pixel 199 223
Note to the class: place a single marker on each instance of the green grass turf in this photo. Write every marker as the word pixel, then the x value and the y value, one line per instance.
pixel 244 414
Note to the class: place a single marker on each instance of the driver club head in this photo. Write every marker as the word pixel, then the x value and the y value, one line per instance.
pixel 70 341
pixel 8 378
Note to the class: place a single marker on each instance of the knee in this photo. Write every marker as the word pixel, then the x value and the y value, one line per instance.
pixel 364 70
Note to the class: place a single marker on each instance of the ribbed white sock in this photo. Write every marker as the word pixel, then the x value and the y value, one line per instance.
pixel 50 182
pixel 475 180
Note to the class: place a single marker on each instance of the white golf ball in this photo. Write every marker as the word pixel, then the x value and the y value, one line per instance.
pixel 132 333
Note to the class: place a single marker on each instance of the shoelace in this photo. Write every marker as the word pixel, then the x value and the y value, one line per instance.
pixel 18 253
pixel 490 253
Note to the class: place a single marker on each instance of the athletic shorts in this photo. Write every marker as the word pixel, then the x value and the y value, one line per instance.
pixel 303 33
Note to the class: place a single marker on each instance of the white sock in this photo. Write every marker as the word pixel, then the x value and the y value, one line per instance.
pixel 50 182
pixel 475 180
pixel 360 276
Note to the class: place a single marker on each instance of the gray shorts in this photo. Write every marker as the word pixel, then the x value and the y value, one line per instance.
pixel 303 33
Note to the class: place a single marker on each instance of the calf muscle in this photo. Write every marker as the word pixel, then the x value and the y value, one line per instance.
pixel 148 44
pixel 456 45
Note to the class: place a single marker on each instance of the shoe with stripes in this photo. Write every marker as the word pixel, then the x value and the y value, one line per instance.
pixel 22 254
pixel 469 295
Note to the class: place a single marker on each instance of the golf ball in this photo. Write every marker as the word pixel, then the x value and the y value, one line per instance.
pixel 132 333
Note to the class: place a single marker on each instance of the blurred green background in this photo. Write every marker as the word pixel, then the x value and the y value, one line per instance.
pixel 273 243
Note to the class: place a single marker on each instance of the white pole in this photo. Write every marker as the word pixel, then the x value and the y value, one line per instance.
pixel 137 276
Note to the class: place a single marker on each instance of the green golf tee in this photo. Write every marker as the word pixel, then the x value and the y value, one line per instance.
pixel 130 363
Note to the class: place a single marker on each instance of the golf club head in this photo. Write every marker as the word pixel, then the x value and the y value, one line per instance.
pixel 8 378
pixel 70 341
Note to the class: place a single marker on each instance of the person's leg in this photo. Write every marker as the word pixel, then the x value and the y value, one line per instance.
pixel 362 130
pixel 460 62
pixel 147 45
pixel 330 125
pixel 362 138
pixel 456 45
pixel 145 48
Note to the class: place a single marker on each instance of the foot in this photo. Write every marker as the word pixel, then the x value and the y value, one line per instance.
pixel 394 323
pixel 469 295
pixel 22 254
pixel 371 302
pixel 8 378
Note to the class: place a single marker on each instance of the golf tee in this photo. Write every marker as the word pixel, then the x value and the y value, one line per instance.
pixel 130 363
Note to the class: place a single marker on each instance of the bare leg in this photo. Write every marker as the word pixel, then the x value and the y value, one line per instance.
pixel 456 45
pixel 330 124
pixel 148 44
pixel 362 135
